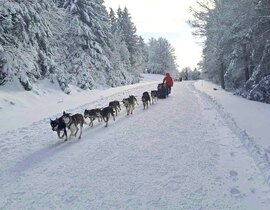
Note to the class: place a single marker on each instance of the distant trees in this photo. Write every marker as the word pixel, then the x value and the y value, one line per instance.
pixel 235 51
pixel 188 74
pixel 162 57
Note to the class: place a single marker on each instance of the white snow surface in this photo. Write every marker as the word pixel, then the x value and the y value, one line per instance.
pixel 193 150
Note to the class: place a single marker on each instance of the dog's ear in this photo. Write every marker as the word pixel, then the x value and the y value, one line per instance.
pixel 50 120
pixel 64 112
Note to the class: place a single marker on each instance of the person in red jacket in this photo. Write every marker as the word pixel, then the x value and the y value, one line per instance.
pixel 168 82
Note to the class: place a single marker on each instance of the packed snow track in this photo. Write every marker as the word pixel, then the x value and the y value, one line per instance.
pixel 178 154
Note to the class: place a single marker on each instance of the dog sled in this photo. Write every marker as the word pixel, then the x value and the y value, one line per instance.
pixel 162 91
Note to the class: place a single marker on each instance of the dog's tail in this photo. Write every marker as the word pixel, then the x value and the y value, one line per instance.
pixel 136 100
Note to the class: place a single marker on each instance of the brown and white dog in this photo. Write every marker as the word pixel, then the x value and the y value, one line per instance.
pixel 73 122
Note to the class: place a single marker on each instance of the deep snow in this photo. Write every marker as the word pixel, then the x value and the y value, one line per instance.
pixel 184 152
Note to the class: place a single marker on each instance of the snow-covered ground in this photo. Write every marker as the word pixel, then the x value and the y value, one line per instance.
pixel 189 151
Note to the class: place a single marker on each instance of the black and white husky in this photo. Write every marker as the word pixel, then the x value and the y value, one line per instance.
pixel 129 103
pixel 59 125
pixel 154 96
pixel 116 106
pixel 134 99
pixel 92 114
pixel 73 122
pixel 146 100
pixel 106 113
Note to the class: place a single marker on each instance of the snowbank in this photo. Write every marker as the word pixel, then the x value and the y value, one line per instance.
pixel 20 108
pixel 250 117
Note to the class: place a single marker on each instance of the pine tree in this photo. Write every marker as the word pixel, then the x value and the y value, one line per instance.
pixel 24 38
pixel 128 31
pixel 162 57
pixel 119 49
pixel 93 52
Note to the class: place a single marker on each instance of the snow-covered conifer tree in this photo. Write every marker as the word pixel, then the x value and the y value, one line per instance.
pixel 129 36
pixel 68 41
pixel 25 36
pixel 235 47
pixel 162 57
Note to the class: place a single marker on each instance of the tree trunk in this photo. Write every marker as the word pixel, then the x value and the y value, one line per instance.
pixel 222 80
pixel 246 69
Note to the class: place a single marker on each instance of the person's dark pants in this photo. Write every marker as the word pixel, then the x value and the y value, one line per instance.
pixel 168 90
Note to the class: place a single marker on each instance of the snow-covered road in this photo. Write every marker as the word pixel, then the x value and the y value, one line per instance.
pixel 179 154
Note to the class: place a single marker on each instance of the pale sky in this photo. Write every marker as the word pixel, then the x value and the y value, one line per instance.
pixel 167 19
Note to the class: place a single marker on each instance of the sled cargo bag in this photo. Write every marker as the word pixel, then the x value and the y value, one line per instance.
pixel 162 91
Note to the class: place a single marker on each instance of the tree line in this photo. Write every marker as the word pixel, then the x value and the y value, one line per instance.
pixel 76 42
pixel 236 51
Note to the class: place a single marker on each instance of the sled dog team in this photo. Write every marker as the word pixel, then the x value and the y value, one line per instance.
pixel 75 122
